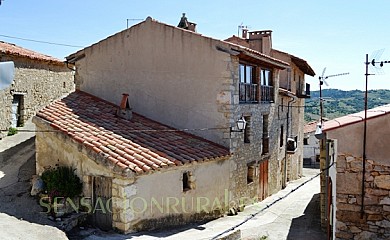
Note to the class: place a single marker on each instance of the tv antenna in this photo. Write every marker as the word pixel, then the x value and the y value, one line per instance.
pixel 376 64
pixel 240 27
pixel 130 19
pixel 375 56
pixel 322 81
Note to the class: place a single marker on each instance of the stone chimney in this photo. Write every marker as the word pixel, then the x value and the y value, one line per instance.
pixel 185 24
pixel 244 33
pixel 124 111
pixel 261 41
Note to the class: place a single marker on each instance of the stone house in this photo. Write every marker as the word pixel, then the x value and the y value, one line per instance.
pixel 311 145
pixel 137 174
pixel 179 78
pixel 359 197
pixel 38 80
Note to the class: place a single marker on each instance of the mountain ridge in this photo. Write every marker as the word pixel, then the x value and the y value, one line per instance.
pixel 339 103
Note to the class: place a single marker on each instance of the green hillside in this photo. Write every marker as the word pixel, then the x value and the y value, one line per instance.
pixel 339 103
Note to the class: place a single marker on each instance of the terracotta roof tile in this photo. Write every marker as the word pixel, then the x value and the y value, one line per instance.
pixel 141 145
pixel 12 49
pixel 349 119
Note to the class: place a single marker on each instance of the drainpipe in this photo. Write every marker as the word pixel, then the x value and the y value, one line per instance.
pixel 326 182
pixel 293 99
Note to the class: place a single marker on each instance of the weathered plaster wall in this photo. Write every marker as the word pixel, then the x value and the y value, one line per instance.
pixel 378 142
pixel 311 150
pixel 173 76
pixel 376 218
pixel 158 200
pixel 39 82
pixel 57 149
pixel 142 202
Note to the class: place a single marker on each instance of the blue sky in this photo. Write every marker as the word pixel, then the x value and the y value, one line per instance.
pixel 332 34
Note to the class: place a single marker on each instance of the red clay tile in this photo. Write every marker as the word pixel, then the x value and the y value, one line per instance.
pixel 139 144
pixel 96 149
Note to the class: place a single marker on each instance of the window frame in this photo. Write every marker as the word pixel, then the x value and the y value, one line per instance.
pixel 248 83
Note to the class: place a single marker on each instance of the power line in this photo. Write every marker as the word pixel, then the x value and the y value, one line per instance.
pixel 39 41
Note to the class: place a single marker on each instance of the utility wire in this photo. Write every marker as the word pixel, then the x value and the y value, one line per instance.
pixel 38 41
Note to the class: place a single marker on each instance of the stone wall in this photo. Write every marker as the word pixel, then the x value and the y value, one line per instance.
pixel 140 202
pixel 38 83
pixel 375 223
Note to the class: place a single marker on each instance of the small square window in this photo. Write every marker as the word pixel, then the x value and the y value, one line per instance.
pixel 188 181
pixel 250 174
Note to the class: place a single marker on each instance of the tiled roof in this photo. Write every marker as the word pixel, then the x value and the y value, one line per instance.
pixel 348 119
pixel 356 117
pixel 310 127
pixel 301 63
pixel 139 144
pixel 15 50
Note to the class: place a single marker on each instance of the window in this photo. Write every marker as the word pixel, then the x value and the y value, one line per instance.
pixel 306 141
pixel 265 140
pixel 267 89
pixel 247 130
pixel 251 172
pixel 188 181
pixel 281 138
pixel 248 84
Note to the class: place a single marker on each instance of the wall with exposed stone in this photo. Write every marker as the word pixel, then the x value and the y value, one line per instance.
pixel 375 223
pixel 38 82
pixel 141 202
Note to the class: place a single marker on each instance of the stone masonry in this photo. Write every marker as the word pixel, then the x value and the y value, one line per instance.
pixel 375 222
pixel 38 83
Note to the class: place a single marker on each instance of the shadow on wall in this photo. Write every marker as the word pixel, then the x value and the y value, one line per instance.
pixel 308 226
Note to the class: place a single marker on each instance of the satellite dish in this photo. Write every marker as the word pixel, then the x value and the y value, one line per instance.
pixel 7 72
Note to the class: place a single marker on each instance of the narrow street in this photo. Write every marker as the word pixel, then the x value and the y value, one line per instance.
pixel 20 214
pixel 295 217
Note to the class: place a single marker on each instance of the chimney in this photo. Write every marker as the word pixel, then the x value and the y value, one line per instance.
pixel 244 33
pixel 185 24
pixel 124 111
pixel 261 41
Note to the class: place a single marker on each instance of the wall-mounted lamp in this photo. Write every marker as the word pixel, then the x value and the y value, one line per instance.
pixel 319 134
pixel 240 125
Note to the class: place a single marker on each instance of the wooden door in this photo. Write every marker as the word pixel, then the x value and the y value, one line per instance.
pixel 15 114
pixel 102 203
pixel 263 180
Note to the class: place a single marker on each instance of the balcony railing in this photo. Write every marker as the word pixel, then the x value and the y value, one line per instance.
pixel 267 93
pixel 303 93
pixel 248 93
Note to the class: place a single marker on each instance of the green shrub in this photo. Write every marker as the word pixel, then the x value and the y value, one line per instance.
pixel 62 182
pixel 12 131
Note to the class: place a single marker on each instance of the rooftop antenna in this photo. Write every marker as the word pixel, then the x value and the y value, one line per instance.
pixel 240 27
pixel 322 81
pixel 130 19
pixel 375 57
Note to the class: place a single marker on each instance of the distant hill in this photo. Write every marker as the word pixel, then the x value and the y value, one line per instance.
pixel 339 103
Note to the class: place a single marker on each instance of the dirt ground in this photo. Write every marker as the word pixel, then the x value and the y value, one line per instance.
pixel 17 165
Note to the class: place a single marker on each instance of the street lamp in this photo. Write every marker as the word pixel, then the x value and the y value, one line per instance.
pixel 240 125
